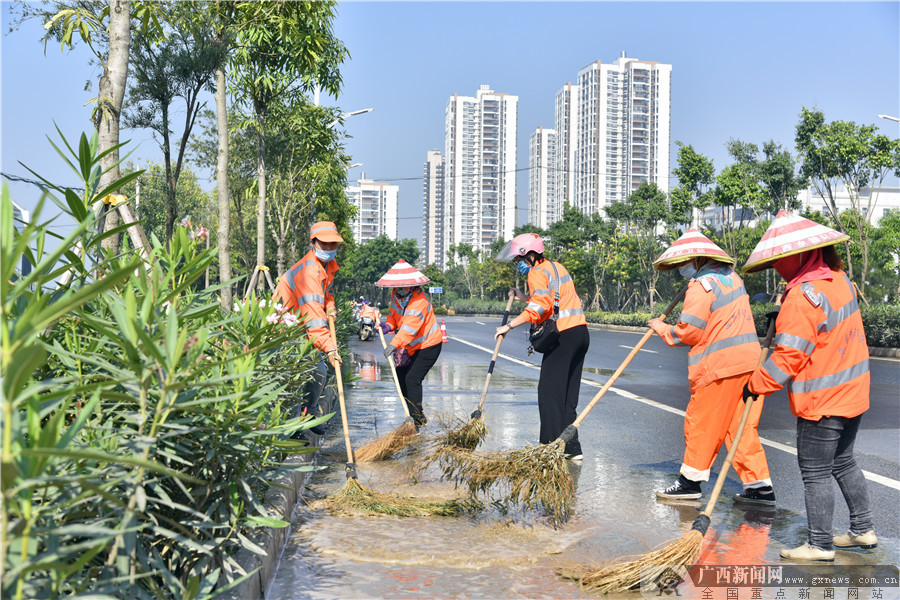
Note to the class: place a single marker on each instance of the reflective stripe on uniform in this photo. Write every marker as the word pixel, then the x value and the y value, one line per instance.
pixel 536 308
pixel 570 312
pixel 692 320
pixel 744 338
pixel 796 342
pixel 827 381
pixel 311 298
pixel 726 299
pixel 422 338
pixel 775 372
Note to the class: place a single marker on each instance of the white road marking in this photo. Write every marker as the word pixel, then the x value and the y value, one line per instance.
pixel 479 322
pixel 885 481
pixel 641 350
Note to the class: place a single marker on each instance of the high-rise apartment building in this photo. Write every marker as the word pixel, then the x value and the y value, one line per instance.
pixel 376 209
pixel 480 168
pixel 566 136
pixel 618 117
pixel 543 207
pixel 433 210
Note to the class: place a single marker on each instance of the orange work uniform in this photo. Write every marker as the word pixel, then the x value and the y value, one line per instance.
pixel 307 287
pixel 542 286
pixel 371 312
pixel 820 347
pixel 415 325
pixel 716 321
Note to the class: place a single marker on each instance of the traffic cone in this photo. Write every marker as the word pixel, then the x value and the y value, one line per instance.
pixel 444 332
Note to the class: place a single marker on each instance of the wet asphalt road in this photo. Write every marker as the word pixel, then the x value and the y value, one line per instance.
pixel 633 444
pixel 659 374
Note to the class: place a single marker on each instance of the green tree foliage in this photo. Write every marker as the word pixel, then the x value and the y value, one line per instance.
pixel 843 154
pixel 179 67
pixel 692 196
pixel 363 265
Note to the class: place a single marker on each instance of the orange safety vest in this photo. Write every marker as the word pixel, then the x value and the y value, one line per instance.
pixel 716 321
pixel 370 311
pixel 416 326
pixel 307 286
pixel 820 347
pixel 542 286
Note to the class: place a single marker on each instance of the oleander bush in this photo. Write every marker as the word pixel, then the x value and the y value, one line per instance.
pixel 142 425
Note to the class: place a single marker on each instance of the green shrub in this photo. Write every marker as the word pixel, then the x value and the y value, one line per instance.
pixel 144 424
pixel 479 307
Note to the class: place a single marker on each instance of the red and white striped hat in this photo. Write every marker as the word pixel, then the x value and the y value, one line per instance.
pixel 790 234
pixel 402 274
pixel 692 244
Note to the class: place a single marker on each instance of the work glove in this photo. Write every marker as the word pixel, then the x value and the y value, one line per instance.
pixel 771 316
pixel 401 357
pixel 389 351
pixel 384 327
pixel 747 394
pixel 334 358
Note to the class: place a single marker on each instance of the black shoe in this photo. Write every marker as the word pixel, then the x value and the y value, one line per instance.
pixel 759 497
pixel 682 489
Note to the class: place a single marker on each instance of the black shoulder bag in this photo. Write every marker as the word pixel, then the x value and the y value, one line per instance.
pixel 545 337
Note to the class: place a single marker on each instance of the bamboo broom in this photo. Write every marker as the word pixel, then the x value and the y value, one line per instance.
pixel 355 497
pixel 658 566
pixel 400 437
pixel 472 433
pixel 537 473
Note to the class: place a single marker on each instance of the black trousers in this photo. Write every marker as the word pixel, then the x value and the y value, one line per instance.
pixel 411 377
pixel 559 384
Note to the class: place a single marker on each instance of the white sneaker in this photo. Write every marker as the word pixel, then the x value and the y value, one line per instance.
pixel 807 552
pixel 863 540
pixel 576 458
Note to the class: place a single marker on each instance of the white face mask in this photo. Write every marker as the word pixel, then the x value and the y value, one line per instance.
pixel 326 255
pixel 687 270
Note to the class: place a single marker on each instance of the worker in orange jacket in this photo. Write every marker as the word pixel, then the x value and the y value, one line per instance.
pixel 306 289
pixel 717 323
pixel 821 355
pixel 416 344
pixel 552 296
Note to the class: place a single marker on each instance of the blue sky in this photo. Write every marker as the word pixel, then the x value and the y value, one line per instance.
pixel 740 70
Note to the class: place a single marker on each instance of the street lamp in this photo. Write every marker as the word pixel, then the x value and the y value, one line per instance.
pixel 350 114
pixel 888 117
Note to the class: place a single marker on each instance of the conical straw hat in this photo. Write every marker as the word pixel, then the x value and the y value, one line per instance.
pixel 692 244
pixel 402 274
pixel 790 234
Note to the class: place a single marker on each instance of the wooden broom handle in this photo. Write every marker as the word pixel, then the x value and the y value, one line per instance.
pixel 726 466
pixel 393 370
pixel 487 381
pixel 340 385
pixel 627 360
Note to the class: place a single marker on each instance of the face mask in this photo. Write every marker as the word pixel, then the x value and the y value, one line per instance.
pixel 325 256
pixel 523 267
pixel 687 271
pixel 404 294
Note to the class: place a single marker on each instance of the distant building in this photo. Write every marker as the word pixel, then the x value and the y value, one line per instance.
pixel 613 132
pixel 433 211
pixel 544 208
pixel 886 198
pixel 376 205
pixel 480 168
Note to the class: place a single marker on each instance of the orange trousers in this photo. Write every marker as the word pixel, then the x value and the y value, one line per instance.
pixel 712 417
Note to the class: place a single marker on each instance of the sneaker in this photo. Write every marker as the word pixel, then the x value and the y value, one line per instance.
pixel 682 489
pixel 762 496
pixel 807 552
pixel 576 458
pixel 863 540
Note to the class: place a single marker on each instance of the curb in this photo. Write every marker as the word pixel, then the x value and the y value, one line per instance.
pixel 274 539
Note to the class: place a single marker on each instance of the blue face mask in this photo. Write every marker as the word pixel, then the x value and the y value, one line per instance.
pixel 523 267
pixel 687 270
pixel 326 256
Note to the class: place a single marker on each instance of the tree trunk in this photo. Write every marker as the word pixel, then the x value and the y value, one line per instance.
pixel 170 178
pixel 261 208
pixel 222 185
pixel 111 95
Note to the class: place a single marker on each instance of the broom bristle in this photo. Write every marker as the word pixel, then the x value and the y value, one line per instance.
pixel 537 474
pixel 467 436
pixel 387 444
pixel 660 568
pixel 353 497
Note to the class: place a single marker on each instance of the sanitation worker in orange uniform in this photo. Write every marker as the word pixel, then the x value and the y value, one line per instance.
pixel 821 355
pixel 306 289
pixel 416 345
pixel 716 321
pixel 553 296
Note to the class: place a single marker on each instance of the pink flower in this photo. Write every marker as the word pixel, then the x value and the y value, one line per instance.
pixel 289 319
